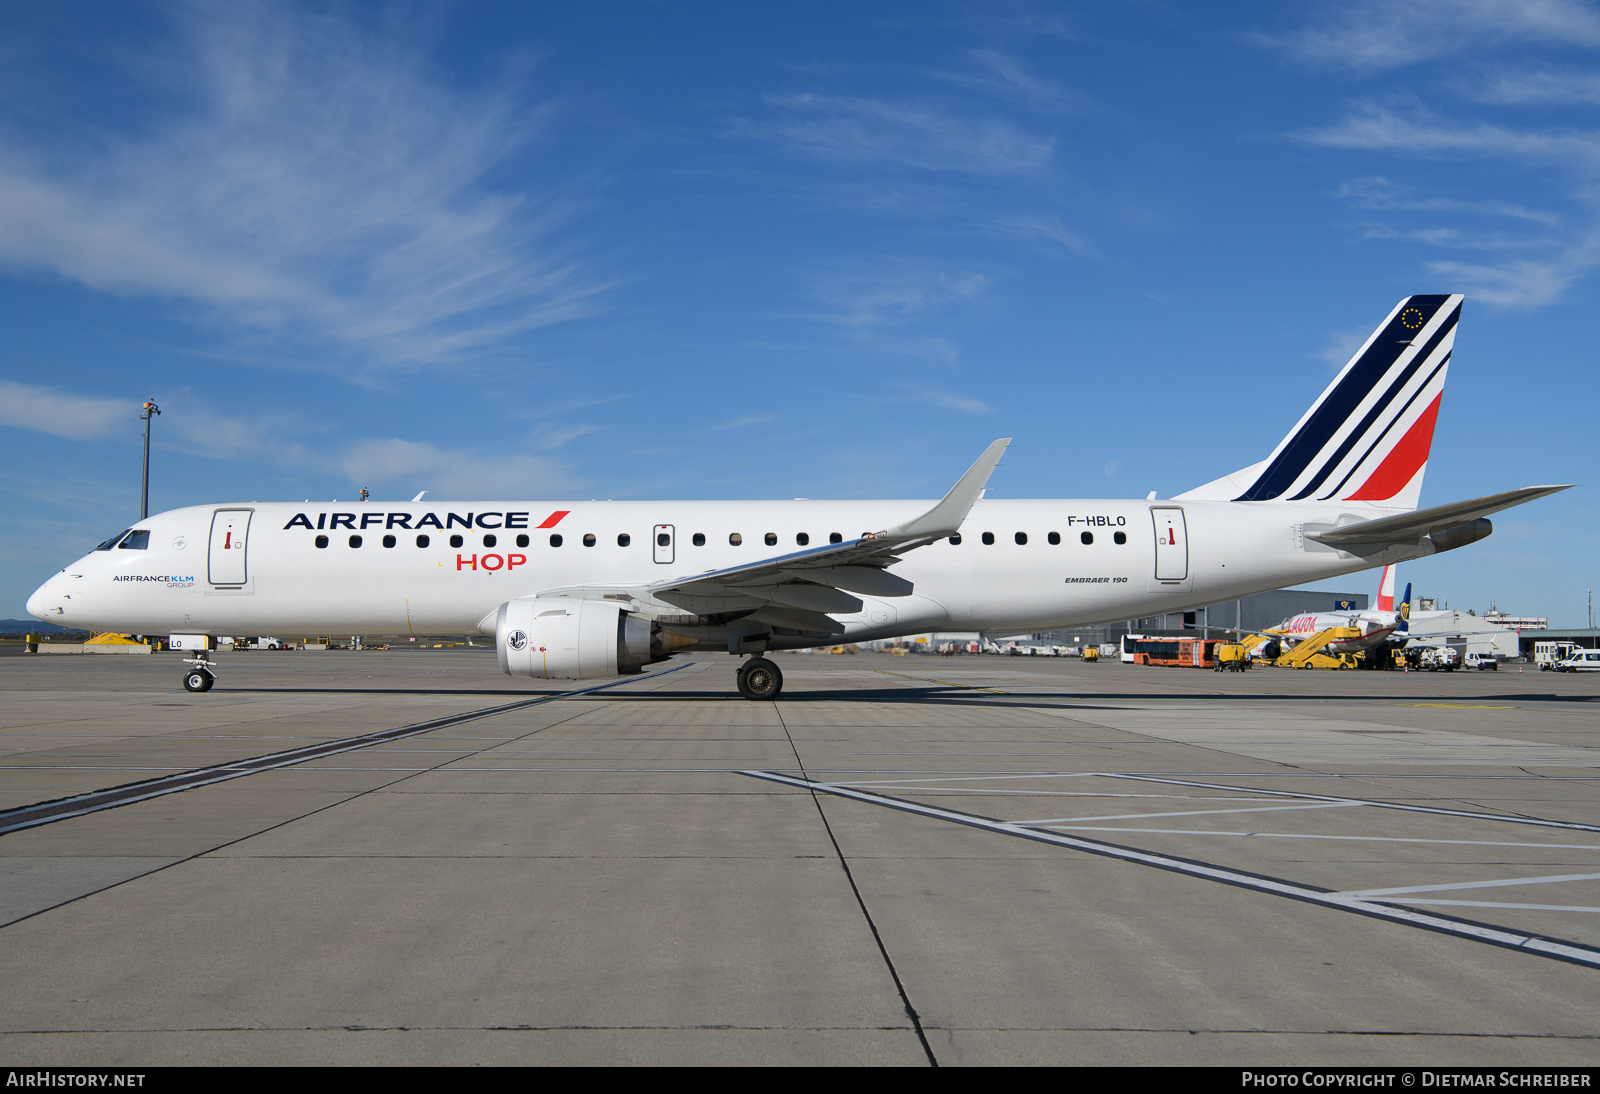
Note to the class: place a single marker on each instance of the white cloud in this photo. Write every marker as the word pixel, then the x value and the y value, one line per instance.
pixel 1377 192
pixel 317 183
pixel 453 473
pixel 888 293
pixel 78 417
pixel 919 135
pixel 1342 345
pixel 1004 76
pixel 1048 228
pixel 1522 282
pixel 1545 87
pixel 1376 128
pixel 1374 35
pixel 950 400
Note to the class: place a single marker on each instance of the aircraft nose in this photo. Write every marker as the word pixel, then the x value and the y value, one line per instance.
pixel 44 598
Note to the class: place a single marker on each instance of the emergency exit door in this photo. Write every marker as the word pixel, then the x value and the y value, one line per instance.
pixel 661 542
pixel 1172 544
pixel 225 562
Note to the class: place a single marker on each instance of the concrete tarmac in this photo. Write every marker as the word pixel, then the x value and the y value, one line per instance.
pixel 976 860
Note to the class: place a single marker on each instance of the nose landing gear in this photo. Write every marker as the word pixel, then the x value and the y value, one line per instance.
pixel 202 675
pixel 760 679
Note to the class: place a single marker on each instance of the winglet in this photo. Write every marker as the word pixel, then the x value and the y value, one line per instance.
pixel 946 517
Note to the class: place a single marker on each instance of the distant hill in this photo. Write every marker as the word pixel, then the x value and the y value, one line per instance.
pixel 34 626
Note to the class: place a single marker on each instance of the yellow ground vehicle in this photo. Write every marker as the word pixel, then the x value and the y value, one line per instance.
pixel 1232 657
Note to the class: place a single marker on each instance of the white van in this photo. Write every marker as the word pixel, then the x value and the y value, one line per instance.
pixel 1580 661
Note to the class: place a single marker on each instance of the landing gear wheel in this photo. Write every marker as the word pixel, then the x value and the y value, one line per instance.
pixel 198 680
pixel 760 679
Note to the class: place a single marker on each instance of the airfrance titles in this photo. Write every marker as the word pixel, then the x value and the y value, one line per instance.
pixel 329 521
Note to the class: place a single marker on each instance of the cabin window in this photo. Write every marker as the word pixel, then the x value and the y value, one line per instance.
pixel 112 542
pixel 1054 538
pixel 423 541
pixel 699 539
pixel 1120 538
pixel 663 539
pixel 624 539
pixel 802 539
pixel 835 537
pixel 988 539
pixel 355 541
pixel 735 538
pixel 1021 538
pixel 1087 538
pixel 389 541
pixel 955 540
pixel 522 541
pixel 490 540
pixel 322 541
pixel 456 541
pixel 136 541
pixel 772 539
pixel 555 539
pixel 588 539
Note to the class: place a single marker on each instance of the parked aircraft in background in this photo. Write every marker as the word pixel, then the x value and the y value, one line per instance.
pixel 580 590
pixel 1384 626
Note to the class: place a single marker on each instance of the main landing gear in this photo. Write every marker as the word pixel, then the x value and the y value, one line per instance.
pixel 760 679
pixel 201 676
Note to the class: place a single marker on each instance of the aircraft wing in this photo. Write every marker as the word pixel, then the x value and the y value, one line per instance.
pixel 1408 527
pixel 799 591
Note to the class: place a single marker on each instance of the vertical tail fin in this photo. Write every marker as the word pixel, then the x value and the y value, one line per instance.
pixel 1367 437
pixel 1386 590
pixel 1402 622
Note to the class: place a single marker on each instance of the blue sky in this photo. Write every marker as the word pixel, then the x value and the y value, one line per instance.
pixel 632 250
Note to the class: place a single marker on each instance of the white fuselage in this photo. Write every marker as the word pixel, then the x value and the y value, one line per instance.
pixel 254 568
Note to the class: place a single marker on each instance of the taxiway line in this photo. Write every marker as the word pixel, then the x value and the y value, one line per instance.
pixel 31 816
pixel 1477 932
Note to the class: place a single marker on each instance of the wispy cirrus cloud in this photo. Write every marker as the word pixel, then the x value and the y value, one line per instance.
pixel 452 472
pixel 922 135
pixel 1539 87
pixel 64 414
pixel 1377 192
pixel 1377 35
pixel 996 73
pixel 314 183
pixel 1531 281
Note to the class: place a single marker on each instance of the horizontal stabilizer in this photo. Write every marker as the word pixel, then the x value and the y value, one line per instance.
pixel 1408 527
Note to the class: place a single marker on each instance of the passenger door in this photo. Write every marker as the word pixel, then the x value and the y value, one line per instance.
pixel 226 561
pixel 1172 546
pixel 661 542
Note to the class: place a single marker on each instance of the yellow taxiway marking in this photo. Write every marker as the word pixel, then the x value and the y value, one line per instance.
pixel 1455 706
pixel 946 683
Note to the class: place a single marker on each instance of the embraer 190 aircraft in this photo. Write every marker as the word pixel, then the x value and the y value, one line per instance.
pixel 582 590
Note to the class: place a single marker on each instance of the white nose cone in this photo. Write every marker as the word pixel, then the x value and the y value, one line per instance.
pixel 43 599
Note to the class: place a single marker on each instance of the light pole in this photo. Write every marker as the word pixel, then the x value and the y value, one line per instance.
pixel 150 411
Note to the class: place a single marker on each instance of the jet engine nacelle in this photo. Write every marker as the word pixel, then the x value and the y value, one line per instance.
pixel 560 639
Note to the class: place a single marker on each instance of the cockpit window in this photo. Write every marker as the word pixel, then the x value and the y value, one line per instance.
pixel 136 541
pixel 112 542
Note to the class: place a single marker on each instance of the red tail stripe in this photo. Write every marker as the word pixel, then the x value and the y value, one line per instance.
pixel 1404 461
